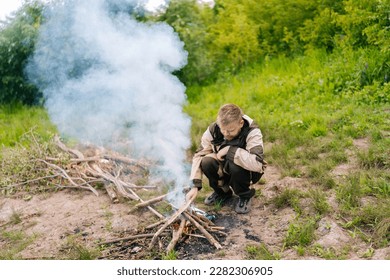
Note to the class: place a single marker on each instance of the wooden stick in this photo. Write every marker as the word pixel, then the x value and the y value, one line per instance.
pixel 145 235
pixel 30 181
pixel 79 160
pixel 111 193
pixel 195 235
pixel 134 186
pixel 62 146
pixel 66 176
pixel 198 219
pixel 191 197
pixel 117 183
pixel 96 171
pixel 157 223
pixel 208 225
pixel 176 234
pixel 148 202
pixel 153 200
pixel 211 239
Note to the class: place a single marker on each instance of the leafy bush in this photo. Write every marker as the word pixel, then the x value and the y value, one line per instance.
pixel 17 39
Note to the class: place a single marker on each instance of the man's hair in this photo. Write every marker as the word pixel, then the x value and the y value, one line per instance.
pixel 229 113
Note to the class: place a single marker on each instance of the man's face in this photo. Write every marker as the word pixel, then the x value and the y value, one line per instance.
pixel 231 130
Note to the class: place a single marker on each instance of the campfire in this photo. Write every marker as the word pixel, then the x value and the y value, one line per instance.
pixel 99 166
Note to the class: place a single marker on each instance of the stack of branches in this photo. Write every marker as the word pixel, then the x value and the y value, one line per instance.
pixel 58 166
pixel 96 167
pixel 184 222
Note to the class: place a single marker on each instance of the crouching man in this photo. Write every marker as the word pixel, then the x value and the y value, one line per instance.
pixel 231 156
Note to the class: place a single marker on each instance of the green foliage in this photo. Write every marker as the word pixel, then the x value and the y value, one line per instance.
pixel 319 201
pixel 19 164
pixel 329 253
pixel 260 252
pixel 190 20
pixel 16 121
pixel 171 255
pixel 279 23
pixel 375 219
pixel 289 197
pixel 14 242
pixel 300 233
pixel 17 39
pixel 75 249
pixel 349 194
pixel 235 35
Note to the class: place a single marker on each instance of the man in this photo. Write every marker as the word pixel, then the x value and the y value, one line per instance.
pixel 231 155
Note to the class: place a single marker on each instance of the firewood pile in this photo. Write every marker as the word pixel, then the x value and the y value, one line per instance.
pixel 187 221
pixel 95 168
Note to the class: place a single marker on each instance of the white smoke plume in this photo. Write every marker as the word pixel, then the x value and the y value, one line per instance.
pixel 107 78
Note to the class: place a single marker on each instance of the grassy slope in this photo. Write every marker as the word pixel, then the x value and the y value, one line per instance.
pixel 310 119
pixel 17 121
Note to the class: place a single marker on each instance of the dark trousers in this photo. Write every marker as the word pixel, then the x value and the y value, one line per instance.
pixel 233 175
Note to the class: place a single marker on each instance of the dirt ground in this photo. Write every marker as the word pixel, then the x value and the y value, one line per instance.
pixel 55 219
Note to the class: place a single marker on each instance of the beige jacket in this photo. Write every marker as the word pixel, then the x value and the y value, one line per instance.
pixel 246 150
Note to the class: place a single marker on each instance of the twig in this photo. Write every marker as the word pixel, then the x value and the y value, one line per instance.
pixel 212 240
pixel 148 202
pixel 95 170
pixel 157 223
pixel 119 185
pixel 126 238
pixel 124 160
pixel 176 234
pixel 31 181
pixel 196 235
pixel 66 176
pixel 191 197
pixel 111 193
pixel 62 146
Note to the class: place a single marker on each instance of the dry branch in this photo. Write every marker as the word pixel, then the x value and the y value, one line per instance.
pixel 176 234
pixel 204 231
pixel 132 237
pixel 111 192
pixel 153 200
pixel 191 197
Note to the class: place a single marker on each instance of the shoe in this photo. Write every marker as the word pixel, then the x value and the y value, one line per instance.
pixel 216 197
pixel 244 205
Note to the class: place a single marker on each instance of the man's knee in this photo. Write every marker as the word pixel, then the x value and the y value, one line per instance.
pixel 236 170
pixel 209 164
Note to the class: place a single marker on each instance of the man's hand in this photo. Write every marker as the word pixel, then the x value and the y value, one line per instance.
pixel 222 153
pixel 197 183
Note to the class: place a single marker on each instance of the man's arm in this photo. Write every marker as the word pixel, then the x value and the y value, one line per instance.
pixel 205 148
pixel 251 158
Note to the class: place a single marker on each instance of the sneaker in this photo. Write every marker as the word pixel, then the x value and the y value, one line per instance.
pixel 216 197
pixel 244 205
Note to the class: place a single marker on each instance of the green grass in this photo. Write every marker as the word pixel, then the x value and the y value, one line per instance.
pixel 300 233
pixel 289 197
pixel 16 121
pixel 172 255
pixel 14 242
pixel 260 252
pixel 75 249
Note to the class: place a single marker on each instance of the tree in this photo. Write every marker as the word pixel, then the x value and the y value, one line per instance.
pixel 190 20
pixel 234 35
pixel 17 40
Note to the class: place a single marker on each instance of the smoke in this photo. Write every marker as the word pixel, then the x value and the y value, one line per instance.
pixel 107 80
